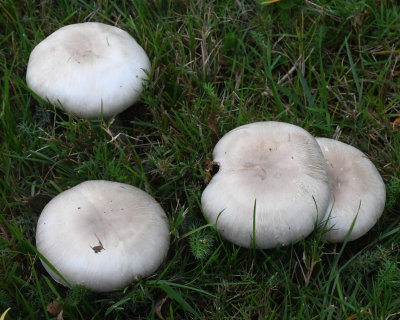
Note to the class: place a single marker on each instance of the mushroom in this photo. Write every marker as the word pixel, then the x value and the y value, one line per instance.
pixel 90 69
pixel 102 235
pixel 358 191
pixel 272 184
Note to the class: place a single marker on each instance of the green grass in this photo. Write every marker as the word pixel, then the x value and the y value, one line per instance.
pixel 331 67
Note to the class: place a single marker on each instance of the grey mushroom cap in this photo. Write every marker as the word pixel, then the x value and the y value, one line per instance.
pixel 358 191
pixel 271 171
pixel 102 235
pixel 90 69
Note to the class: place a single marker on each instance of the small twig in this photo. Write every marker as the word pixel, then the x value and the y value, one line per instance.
pixel 310 271
pixel 98 248
pixel 158 306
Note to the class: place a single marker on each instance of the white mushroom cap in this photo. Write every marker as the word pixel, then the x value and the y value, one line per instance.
pixel 358 191
pixel 102 235
pixel 275 166
pixel 88 68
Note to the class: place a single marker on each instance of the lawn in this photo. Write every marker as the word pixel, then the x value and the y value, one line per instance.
pixel 331 67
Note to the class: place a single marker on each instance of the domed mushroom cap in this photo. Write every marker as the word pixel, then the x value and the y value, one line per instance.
pixel 88 68
pixel 102 235
pixel 276 168
pixel 358 191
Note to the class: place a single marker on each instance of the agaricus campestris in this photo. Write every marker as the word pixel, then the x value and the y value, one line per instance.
pixel 102 235
pixel 272 172
pixel 358 191
pixel 89 69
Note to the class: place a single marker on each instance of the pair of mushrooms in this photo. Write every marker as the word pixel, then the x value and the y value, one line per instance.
pixel 99 234
pixel 273 186
pixel 276 182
